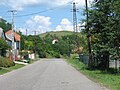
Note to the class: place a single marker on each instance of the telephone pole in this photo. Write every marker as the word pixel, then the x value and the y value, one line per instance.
pixel 13 44
pixel 88 36
pixel 74 17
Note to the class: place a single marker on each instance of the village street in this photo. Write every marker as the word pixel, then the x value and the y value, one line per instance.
pixel 47 74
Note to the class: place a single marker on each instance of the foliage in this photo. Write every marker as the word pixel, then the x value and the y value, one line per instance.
pixel 28 45
pixel 22 41
pixel 5 25
pixel 41 54
pixel 3 46
pixel 104 22
pixel 5 62
pixel 104 25
pixel 23 53
pixel 43 45
pixel 59 34
pixel 56 55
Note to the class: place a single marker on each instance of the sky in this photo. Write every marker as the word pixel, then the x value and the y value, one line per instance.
pixel 42 15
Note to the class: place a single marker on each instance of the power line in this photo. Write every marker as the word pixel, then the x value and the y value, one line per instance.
pixel 41 11
pixel 34 13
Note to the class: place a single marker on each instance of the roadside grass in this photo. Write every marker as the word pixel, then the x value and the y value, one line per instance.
pixel 111 81
pixel 5 70
pixel 17 66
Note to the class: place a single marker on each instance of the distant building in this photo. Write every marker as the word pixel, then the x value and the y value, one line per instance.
pixel 54 41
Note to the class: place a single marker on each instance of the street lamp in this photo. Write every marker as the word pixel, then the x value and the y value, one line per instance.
pixel 88 36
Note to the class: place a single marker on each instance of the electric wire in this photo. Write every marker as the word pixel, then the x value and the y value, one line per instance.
pixel 34 13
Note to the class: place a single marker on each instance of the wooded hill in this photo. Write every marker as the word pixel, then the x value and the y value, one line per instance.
pixel 67 42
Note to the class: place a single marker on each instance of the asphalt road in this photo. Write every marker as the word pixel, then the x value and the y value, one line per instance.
pixel 47 74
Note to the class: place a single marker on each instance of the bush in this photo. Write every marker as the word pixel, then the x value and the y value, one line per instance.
pixel 24 54
pixel 56 55
pixel 42 54
pixel 5 62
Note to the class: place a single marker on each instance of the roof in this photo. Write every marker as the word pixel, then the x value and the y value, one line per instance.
pixel 9 35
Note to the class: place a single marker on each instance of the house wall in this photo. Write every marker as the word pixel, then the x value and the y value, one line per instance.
pixel 17 45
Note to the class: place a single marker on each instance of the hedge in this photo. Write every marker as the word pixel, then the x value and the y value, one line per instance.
pixel 6 62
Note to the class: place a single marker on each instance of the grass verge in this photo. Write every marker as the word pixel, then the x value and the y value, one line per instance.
pixel 111 81
pixel 5 70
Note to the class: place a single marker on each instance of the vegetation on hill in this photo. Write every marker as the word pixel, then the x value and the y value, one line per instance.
pixel 68 42
pixel 57 33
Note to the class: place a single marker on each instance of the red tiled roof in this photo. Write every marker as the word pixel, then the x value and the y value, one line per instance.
pixel 17 36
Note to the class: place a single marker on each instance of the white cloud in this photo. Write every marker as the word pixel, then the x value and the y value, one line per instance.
pixel 38 23
pixel 23 30
pixel 0 17
pixel 44 21
pixel 42 24
pixel 65 24
pixel 20 4
pixel 63 2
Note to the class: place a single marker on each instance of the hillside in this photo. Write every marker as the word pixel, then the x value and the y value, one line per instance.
pixel 59 33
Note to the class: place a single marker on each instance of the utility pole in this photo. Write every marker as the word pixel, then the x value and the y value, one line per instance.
pixel 26 32
pixel 13 44
pixel 88 36
pixel 35 32
pixel 75 26
pixel 74 17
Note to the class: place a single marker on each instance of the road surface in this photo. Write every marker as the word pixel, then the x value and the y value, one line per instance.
pixel 47 74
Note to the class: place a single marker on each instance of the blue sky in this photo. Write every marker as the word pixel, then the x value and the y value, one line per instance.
pixel 57 15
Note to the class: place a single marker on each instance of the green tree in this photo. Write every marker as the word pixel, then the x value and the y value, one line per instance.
pixel 28 45
pixel 3 47
pixel 5 25
pixel 104 25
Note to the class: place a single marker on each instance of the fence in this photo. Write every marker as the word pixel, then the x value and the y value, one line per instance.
pixel 112 63
pixel 84 58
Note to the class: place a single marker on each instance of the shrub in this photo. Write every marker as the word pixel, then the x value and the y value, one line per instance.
pixel 5 62
pixel 42 54
pixel 56 55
